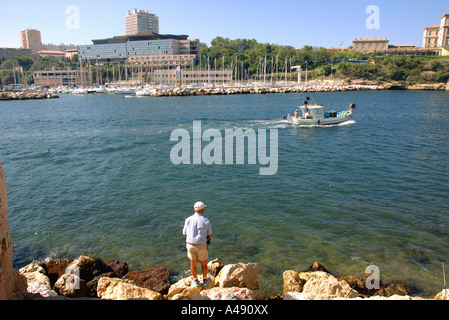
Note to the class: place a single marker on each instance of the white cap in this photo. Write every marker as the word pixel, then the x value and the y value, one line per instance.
pixel 199 205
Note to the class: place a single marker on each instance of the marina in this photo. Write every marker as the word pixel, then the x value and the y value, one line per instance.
pixel 100 181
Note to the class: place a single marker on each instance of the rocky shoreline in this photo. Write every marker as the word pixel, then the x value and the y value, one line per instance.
pixel 27 95
pixel 254 89
pixel 92 278
pixel 178 92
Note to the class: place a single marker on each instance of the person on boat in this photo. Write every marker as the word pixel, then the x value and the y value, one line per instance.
pixel 198 231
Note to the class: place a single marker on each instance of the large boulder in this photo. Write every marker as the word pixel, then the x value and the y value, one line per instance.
pixel 183 289
pixel 443 295
pixel 88 267
pixel 155 279
pixel 239 275
pixel 12 284
pixel 71 286
pixel 122 289
pixel 38 284
pixel 295 296
pixel 316 266
pixel 81 276
pixel 120 268
pixel 292 282
pixel 55 268
pixel 40 291
pixel 35 273
pixel 214 267
pixel 324 286
pixel 233 293
pixel 359 283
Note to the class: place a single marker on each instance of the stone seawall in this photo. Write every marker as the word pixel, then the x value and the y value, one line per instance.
pixel 178 92
pixel 27 95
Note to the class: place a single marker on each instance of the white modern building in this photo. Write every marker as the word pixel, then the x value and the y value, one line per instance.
pixel 141 20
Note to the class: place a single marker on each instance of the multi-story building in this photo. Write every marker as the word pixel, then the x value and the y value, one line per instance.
pixel 180 77
pixel 57 47
pixel 437 36
pixel 62 77
pixel 137 21
pixel 118 48
pixel 430 38
pixel 370 45
pixel 31 39
pixel 162 61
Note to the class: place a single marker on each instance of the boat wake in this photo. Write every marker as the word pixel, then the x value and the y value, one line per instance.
pixel 342 124
pixel 346 123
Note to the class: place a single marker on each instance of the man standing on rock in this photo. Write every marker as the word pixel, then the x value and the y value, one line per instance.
pixel 198 230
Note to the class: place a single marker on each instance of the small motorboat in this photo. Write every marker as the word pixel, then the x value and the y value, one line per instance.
pixel 125 90
pixel 315 115
pixel 80 91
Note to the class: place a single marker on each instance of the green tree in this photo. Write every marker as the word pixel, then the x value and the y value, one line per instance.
pixel 436 65
pixel 6 77
pixel 24 62
pixel 8 64
pixel 442 76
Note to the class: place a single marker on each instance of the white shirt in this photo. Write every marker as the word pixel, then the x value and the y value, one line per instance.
pixel 197 228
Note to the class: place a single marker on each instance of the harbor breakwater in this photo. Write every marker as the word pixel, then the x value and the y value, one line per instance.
pixel 27 95
pixel 237 90
pixel 208 91
pixel 317 87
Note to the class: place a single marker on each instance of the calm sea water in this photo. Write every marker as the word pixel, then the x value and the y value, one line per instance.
pixel 92 174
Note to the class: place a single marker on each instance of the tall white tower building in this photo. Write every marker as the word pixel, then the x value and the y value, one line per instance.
pixel 141 20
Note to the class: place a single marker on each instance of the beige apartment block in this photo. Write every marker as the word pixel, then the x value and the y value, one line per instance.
pixel 369 45
pixel 430 38
pixel 137 21
pixel 191 77
pixel 31 39
pixel 162 61
pixel 437 36
pixel 62 78
pixel 443 35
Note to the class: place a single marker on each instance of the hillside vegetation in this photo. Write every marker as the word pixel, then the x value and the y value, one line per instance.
pixel 255 61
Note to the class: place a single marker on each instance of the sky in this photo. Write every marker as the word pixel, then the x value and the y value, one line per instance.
pixel 297 23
